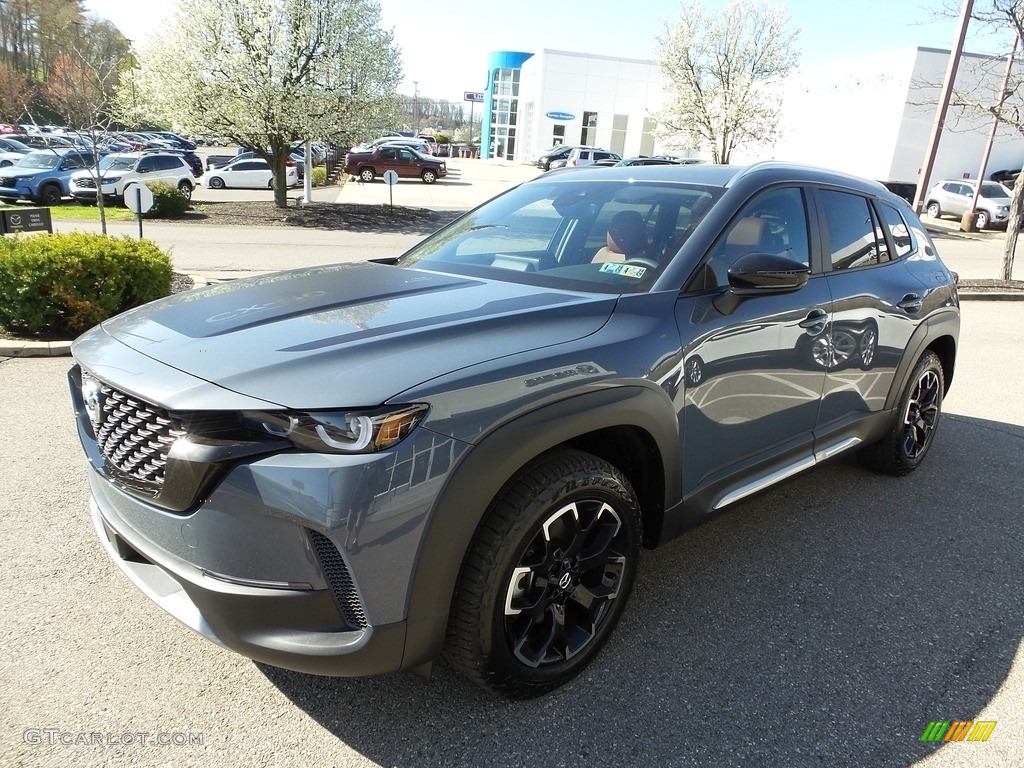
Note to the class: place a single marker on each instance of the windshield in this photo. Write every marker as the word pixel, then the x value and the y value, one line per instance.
pixel 41 160
pixel 117 163
pixel 994 190
pixel 13 145
pixel 557 234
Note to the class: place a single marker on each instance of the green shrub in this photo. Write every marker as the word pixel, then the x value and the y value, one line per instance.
pixel 319 176
pixel 66 283
pixel 168 202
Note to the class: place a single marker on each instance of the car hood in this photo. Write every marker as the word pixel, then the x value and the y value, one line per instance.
pixel 350 335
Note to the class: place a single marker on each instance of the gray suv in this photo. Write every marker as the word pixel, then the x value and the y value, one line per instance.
pixel 352 469
pixel 954 196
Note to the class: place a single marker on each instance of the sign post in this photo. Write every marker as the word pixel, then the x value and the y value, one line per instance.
pixel 139 198
pixel 472 97
pixel 391 178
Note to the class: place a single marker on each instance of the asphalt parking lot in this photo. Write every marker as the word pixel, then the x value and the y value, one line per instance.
pixel 824 623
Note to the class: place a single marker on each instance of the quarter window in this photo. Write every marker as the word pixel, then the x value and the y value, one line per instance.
pixel 898 230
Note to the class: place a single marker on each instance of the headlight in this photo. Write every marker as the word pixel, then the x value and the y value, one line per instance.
pixel 340 431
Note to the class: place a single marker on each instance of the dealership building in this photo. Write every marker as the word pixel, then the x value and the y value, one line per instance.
pixel 870 116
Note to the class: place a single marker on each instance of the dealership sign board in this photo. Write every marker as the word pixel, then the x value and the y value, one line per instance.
pixel 562 117
pixel 25 220
pixel 473 96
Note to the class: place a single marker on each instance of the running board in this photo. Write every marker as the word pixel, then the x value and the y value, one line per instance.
pixel 788 471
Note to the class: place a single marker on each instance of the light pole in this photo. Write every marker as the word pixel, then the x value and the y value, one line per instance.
pixel 415 107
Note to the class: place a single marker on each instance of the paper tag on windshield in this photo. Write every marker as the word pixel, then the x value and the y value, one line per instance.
pixel 626 270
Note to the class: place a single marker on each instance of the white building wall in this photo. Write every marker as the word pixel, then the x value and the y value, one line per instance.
pixel 872 116
pixel 574 83
pixel 869 116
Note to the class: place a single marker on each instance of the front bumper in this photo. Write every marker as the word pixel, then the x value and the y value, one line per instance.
pixel 294 626
pixel 13 193
pixel 300 560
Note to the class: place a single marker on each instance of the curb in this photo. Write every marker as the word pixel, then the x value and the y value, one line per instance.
pixel 14 348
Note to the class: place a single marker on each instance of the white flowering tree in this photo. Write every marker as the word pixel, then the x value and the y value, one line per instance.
pixel 266 73
pixel 720 67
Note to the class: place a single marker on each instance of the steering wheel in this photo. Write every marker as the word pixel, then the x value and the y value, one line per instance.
pixel 640 262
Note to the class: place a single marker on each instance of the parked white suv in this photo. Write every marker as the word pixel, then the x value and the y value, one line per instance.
pixel 589 156
pixel 121 171
pixel 953 196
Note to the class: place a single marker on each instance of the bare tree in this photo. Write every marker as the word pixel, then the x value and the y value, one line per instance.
pixel 720 68
pixel 266 73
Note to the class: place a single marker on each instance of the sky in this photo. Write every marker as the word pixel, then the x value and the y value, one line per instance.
pixel 445 45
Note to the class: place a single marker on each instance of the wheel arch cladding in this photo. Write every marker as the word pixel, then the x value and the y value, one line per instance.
pixel 611 424
pixel 938 334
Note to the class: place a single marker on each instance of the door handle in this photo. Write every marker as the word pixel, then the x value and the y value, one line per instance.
pixel 910 303
pixel 815 321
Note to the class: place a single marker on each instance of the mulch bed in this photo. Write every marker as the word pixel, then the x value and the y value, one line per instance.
pixel 333 216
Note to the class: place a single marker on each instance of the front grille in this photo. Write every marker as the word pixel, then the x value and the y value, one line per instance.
pixel 86 182
pixel 7 181
pixel 134 436
pixel 340 581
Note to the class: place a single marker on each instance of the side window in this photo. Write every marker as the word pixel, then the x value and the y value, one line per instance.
pixel 854 235
pixel 73 162
pixel 773 222
pixel 405 154
pixel 387 153
pixel 168 163
pixel 147 165
pixel 898 230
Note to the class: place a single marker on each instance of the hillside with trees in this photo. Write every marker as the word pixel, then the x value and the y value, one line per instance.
pixel 57 62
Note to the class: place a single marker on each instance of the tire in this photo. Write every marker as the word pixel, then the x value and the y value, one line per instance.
pixel 185 188
pixel 366 174
pixel 917 416
pixel 934 210
pixel 50 194
pixel 6 164
pixel 693 369
pixel 983 220
pixel 547 575
pixel 428 176
pixel 216 182
pixel 270 184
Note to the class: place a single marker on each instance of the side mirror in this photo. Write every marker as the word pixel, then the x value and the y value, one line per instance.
pixel 760 274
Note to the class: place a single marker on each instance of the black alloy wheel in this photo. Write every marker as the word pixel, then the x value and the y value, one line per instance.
pixel 50 194
pixel 547 575
pixel 911 434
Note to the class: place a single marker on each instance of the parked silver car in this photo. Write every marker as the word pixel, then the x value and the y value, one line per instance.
pixel 953 196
